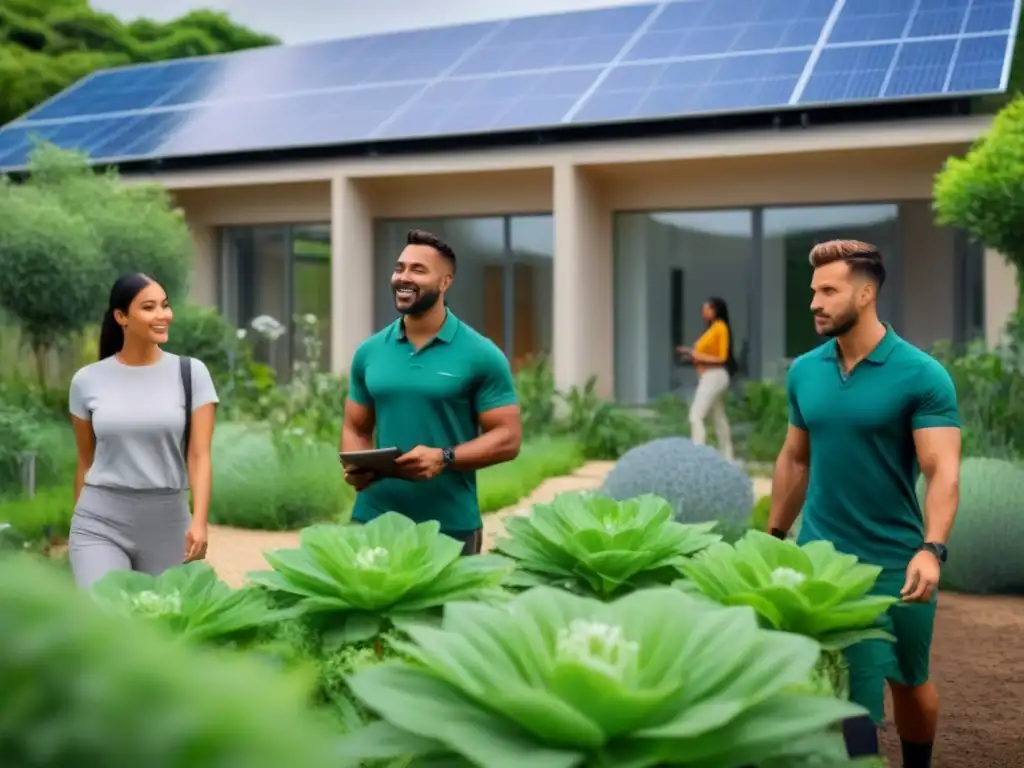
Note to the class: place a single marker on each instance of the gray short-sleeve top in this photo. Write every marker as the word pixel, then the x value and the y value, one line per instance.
pixel 138 417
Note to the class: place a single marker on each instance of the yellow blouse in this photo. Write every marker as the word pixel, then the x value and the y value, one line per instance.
pixel 714 342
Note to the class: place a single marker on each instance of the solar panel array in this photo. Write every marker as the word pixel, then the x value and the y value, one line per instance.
pixel 637 62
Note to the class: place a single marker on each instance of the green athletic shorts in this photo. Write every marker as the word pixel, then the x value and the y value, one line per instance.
pixel 904 662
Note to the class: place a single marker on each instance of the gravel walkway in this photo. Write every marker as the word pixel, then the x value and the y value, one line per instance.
pixel 234 552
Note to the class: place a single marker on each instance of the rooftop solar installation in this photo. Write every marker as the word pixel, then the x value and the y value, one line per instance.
pixel 652 61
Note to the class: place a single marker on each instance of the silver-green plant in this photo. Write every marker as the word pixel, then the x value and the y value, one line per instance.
pixel 593 545
pixel 368 577
pixel 556 680
pixel 811 590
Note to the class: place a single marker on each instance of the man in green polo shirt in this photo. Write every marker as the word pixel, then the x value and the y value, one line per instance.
pixel 868 412
pixel 438 390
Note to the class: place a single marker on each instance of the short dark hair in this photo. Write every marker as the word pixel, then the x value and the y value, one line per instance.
pixel 422 237
pixel 862 258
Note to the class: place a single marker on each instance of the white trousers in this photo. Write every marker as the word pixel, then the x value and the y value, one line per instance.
pixel 709 399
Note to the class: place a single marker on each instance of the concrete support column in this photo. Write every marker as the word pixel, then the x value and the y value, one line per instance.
pixel 206 257
pixel 351 271
pixel 1000 295
pixel 583 332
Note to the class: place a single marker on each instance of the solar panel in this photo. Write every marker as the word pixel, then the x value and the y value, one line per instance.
pixel 635 62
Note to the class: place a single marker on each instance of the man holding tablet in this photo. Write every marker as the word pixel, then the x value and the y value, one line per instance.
pixel 439 392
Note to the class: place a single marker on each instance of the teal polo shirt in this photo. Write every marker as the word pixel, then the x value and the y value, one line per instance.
pixel 432 396
pixel 863 471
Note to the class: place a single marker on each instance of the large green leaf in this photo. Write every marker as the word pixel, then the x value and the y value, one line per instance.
pixel 811 590
pixel 390 567
pixel 653 678
pixel 189 601
pixel 597 546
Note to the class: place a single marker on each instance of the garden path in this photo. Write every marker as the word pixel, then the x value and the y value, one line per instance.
pixel 235 552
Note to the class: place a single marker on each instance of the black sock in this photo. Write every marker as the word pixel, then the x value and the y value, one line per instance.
pixel 861 737
pixel 916 755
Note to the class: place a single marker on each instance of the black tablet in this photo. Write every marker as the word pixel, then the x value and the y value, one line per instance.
pixel 380 460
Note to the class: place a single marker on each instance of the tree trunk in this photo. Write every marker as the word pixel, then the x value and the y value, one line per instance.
pixel 40 353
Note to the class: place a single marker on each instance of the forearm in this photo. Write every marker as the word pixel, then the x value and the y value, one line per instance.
pixel 789 489
pixel 353 439
pixel 200 480
pixel 700 357
pixel 941 498
pixel 495 446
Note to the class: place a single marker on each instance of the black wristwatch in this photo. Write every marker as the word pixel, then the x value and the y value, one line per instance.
pixel 937 549
pixel 778 533
pixel 447 457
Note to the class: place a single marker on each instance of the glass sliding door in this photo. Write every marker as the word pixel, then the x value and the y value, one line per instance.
pixel 666 266
pixel 277 271
pixel 503 283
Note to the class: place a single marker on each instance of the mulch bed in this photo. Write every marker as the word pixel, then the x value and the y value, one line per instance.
pixel 978 666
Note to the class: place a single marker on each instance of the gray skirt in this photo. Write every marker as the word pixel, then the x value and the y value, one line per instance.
pixel 117 529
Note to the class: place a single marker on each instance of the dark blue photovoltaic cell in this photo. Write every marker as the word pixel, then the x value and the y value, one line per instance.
pixel 863 20
pixel 715 84
pixel 565 39
pixel 852 73
pixel 979 64
pixel 634 62
pixel 704 27
pixel 491 103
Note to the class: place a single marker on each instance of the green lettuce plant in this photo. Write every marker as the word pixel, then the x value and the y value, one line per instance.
pixel 556 680
pixel 189 601
pixel 594 545
pixel 811 590
pixel 390 571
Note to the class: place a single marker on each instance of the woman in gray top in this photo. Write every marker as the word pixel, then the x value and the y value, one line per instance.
pixel 133 478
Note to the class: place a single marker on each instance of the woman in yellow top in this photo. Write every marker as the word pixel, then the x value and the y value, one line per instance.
pixel 713 358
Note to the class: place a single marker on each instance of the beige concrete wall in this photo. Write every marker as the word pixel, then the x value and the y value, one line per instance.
pixel 1000 295
pixel 584 193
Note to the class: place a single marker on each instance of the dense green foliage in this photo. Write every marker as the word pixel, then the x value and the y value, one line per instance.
pixel 983 192
pixel 78 687
pixel 47 46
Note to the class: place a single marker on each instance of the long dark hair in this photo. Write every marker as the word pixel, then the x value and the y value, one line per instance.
pixel 122 294
pixel 721 312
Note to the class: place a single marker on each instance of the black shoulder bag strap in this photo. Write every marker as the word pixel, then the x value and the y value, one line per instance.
pixel 186 383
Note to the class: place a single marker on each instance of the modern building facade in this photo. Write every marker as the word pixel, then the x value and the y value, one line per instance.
pixel 600 173
pixel 601 253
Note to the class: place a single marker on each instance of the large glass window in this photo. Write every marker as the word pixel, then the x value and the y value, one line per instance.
pixel 789 235
pixel 666 266
pixel 503 286
pixel 280 271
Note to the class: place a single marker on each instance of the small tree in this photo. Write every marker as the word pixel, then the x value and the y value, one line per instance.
pixel 983 192
pixel 53 277
pixel 137 227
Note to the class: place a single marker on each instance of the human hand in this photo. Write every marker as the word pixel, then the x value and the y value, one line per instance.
pixel 360 479
pixel 683 350
pixel 922 578
pixel 195 542
pixel 421 463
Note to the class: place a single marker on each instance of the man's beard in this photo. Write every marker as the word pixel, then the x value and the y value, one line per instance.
pixel 425 301
pixel 842 325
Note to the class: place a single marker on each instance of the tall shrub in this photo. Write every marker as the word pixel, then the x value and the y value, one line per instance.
pixel 53 276
pixel 983 192
pixel 136 227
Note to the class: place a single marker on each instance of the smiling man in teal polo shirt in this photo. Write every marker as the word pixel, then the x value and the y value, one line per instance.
pixel 439 391
pixel 868 411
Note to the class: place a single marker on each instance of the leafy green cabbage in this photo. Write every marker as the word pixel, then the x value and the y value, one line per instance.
pixel 594 545
pixel 388 570
pixel 556 680
pixel 189 601
pixel 811 590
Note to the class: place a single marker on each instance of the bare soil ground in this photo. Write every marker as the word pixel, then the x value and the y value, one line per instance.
pixel 978 666
pixel 978 657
